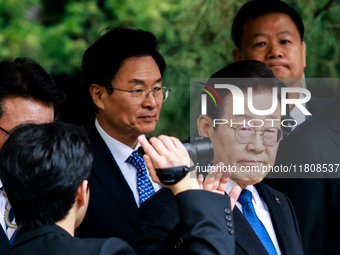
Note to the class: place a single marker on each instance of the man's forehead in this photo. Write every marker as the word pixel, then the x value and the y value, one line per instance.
pixel 251 25
pixel 267 100
pixel 23 110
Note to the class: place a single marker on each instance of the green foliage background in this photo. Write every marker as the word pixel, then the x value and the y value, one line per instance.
pixel 194 38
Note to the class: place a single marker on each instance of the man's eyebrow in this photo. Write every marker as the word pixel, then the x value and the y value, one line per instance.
pixel 284 32
pixel 139 81
pixel 259 34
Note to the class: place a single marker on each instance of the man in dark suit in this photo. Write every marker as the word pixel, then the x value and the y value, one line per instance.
pixel 48 188
pixel 27 94
pixel 271 226
pixel 123 72
pixel 314 145
pixel 272 32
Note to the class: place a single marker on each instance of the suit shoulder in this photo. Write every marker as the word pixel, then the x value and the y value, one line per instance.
pixel 317 105
pixel 273 191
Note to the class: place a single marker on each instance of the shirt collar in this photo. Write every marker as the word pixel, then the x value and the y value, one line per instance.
pixel 120 150
pixel 255 195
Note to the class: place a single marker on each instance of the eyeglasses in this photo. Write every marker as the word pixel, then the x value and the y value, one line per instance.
pixel 4 130
pixel 270 136
pixel 138 95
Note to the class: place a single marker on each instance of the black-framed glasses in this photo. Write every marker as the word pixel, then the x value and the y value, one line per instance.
pixel 270 136
pixel 4 130
pixel 138 95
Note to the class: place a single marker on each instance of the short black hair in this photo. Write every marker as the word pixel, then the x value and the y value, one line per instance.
pixel 103 59
pixel 25 78
pixel 253 69
pixel 255 8
pixel 41 167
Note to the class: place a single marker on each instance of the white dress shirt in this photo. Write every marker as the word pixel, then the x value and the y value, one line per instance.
pixel 3 200
pixel 121 152
pixel 261 210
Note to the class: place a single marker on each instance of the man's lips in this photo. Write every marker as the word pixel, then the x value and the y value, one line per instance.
pixel 277 64
pixel 252 162
pixel 147 117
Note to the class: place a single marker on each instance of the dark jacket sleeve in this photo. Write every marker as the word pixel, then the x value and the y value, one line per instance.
pixel 194 222
pixel 203 217
pixel 156 229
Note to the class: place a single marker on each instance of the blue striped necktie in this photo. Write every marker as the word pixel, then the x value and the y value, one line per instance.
pixel 144 184
pixel 249 213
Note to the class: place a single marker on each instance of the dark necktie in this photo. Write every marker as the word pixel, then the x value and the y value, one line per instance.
pixel 249 213
pixel 145 187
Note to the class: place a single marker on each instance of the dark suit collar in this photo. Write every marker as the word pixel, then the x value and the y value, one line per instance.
pixel 108 173
pixel 27 235
pixel 245 236
pixel 279 219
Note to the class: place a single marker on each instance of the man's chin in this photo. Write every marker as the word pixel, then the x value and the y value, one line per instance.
pixel 146 129
pixel 281 73
pixel 245 181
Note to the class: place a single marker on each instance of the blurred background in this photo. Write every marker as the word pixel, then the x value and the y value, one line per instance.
pixel 194 37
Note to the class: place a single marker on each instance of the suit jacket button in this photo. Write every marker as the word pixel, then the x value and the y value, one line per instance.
pixel 230 230
pixel 227 210
pixel 229 224
pixel 228 218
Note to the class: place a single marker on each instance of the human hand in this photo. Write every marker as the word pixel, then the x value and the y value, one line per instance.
pixel 166 152
pixel 216 181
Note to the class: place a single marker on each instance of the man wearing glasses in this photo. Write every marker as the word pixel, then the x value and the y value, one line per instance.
pixel 264 219
pixel 123 72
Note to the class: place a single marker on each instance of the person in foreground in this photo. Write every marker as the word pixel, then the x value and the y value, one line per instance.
pixel 27 94
pixel 264 219
pixel 44 169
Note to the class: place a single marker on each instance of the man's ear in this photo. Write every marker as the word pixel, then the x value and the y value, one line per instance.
pixel 236 55
pixel 96 93
pixel 304 54
pixel 204 125
pixel 82 193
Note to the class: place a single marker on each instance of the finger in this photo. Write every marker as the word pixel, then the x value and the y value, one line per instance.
pixel 223 184
pixel 148 148
pixel 152 171
pixel 168 142
pixel 216 182
pixel 209 180
pixel 179 145
pixel 159 146
pixel 176 142
pixel 200 180
pixel 234 195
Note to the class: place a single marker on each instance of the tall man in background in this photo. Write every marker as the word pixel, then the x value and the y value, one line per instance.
pixel 27 94
pixel 123 72
pixel 272 32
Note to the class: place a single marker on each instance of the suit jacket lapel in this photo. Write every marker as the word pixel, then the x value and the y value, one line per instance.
pixel 279 220
pixel 245 236
pixel 108 173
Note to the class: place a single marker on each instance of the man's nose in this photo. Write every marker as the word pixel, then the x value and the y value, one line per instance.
pixel 149 100
pixel 275 51
pixel 257 145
